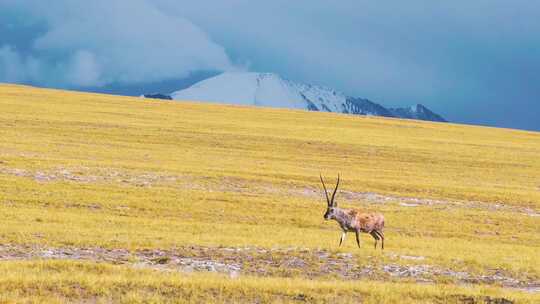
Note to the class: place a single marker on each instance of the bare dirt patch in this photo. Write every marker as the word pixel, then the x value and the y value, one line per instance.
pixel 85 175
pixel 279 262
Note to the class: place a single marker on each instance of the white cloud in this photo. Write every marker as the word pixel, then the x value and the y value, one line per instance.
pixel 14 68
pixel 84 70
pixel 99 42
pixel 11 66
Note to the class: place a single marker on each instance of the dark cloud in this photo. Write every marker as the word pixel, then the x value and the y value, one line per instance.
pixel 471 61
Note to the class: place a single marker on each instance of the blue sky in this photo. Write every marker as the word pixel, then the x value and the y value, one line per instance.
pixel 471 61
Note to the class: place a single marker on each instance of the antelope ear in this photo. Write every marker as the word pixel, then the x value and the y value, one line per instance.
pixel 335 204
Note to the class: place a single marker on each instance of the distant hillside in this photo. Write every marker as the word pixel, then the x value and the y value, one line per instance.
pixel 270 90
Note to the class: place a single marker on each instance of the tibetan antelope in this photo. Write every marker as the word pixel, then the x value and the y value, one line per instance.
pixel 354 220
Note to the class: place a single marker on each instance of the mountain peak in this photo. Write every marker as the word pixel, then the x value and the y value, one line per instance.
pixel 418 111
pixel 271 90
pixel 245 88
pixel 421 108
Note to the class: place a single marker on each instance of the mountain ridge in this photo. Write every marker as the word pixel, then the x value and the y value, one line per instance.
pixel 271 90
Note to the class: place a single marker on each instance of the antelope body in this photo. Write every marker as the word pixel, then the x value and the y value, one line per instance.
pixel 353 220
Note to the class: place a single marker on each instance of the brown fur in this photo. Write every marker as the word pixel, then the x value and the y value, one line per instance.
pixel 367 222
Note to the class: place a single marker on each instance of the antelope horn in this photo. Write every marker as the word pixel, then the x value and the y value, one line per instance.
pixel 325 192
pixel 335 190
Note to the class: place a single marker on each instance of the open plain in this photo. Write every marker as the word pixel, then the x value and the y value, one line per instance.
pixel 117 199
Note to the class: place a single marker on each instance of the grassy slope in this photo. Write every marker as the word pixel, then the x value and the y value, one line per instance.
pixel 153 174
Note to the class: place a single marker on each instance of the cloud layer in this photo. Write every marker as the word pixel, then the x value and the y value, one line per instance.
pixel 95 43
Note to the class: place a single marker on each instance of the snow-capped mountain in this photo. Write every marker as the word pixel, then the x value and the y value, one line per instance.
pixel 270 90
pixel 416 112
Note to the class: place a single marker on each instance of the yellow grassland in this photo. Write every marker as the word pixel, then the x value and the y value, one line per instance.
pixel 91 170
pixel 60 282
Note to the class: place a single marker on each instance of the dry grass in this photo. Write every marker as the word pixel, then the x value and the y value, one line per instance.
pixel 58 282
pixel 92 170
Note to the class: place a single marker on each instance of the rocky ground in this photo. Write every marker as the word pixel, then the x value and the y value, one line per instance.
pixel 283 262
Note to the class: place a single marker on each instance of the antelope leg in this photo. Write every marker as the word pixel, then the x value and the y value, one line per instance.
pixel 381 235
pixel 357 238
pixel 375 236
pixel 342 238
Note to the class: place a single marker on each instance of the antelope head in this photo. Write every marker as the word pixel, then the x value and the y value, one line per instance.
pixel 331 204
